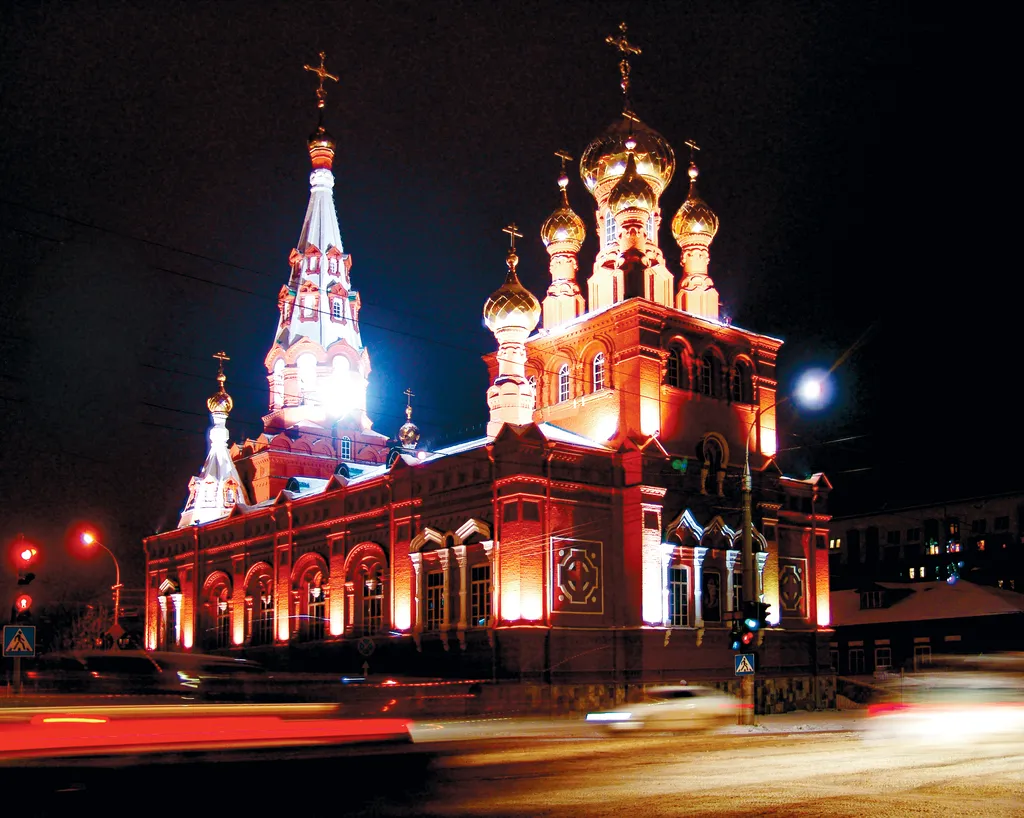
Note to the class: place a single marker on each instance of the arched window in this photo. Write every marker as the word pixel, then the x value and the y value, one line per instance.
pixel 373 600
pixel 563 383
pixel 741 387
pixel 610 230
pixel 336 309
pixel 307 376
pixel 706 374
pixel 261 592
pixel 222 636
pixel 678 596
pixel 599 371
pixel 650 228
pixel 277 396
pixel 675 374
pixel 315 621
pixel 533 384
pixel 346 448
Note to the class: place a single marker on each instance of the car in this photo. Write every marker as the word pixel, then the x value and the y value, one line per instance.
pixel 671 708
pixel 952 707
pixel 150 673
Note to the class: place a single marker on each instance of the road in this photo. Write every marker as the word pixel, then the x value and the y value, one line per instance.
pixel 733 773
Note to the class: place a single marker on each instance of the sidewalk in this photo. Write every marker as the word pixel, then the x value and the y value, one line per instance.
pixel 815 721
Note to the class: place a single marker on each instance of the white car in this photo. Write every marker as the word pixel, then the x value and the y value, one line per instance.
pixel 671 708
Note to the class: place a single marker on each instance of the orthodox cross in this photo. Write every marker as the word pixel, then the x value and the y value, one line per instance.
pixel 408 403
pixel 693 146
pixel 513 234
pixel 625 48
pixel 565 157
pixel 563 179
pixel 221 357
pixel 321 94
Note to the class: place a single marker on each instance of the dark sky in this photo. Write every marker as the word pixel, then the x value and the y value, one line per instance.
pixel 179 130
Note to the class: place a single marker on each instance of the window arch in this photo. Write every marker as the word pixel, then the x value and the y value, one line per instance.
pixel 610 230
pixel 346 448
pixel 678 581
pixel 260 619
pixel 307 375
pixel 741 382
pixel 533 384
pixel 598 371
pixel 277 388
pixel 706 366
pixel 563 383
pixel 312 593
pixel 675 368
pixel 217 610
pixel 373 598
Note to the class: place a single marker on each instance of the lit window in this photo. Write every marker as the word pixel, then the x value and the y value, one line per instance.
pixel 933 548
pixel 609 230
pixel 922 656
pixel 435 600
pixel 705 370
pixel 741 383
pixel 835 543
pixel 883 658
pixel 953 547
pixel 533 385
pixel 278 396
pixel 678 597
pixel 913 573
pixel 336 309
pixel 922 572
pixel 316 609
pixel 346 448
pixel 563 383
pixel 981 545
pixel 599 371
pixel 480 596
pixel 373 602
pixel 674 368
pixel 263 625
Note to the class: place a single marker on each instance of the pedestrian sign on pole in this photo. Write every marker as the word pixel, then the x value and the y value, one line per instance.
pixel 744 664
pixel 19 641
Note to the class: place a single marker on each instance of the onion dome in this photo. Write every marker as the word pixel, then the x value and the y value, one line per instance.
pixel 694 217
pixel 321 149
pixel 511 305
pixel 220 401
pixel 409 434
pixel 563 224
pixel 632 190
pixel 605 157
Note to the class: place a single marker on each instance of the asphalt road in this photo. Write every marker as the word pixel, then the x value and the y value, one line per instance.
pixel 812 774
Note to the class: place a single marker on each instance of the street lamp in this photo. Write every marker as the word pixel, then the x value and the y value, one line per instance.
pixel 89 539
pixel 812 391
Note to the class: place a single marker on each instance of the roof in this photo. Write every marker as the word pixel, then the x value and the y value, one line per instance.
pixel 924 601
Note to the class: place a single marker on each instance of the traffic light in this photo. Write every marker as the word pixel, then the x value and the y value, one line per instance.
pixel 762 614
pixel 25 557
pixel 22 607
pixel 744 630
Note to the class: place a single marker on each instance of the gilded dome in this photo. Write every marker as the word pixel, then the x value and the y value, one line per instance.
pixel 409 434
pixel 220 401
pixel 631 190
pixel 321 148
pixel 563 224
pixel 605 157
pixel 511 305
pixel 694 217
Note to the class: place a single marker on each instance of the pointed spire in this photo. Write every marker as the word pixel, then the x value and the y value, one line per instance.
pixel 563 233
pixel 694 227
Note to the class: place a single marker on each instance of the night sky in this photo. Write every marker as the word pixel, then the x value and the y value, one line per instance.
pixel 155 176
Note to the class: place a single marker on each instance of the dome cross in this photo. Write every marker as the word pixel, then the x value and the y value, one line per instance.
pixel 321 94
pixel 408 403
pixel 626 48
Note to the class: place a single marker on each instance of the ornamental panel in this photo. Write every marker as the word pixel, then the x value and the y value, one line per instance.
pixel 578 576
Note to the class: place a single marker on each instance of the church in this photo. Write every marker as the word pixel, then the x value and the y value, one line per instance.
pixel 594 534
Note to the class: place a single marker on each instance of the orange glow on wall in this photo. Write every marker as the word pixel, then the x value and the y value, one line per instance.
pixel 768 443
pixel 510 608
pixel 531 605
pixel 337 623
pixel 403 609
pixel 650 416
pixel 822 588
pixel 237 631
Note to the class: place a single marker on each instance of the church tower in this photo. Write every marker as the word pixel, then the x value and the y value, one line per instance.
pixel 318 368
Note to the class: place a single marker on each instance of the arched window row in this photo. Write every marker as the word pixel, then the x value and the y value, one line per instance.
pixel 708 375
pixel 565 385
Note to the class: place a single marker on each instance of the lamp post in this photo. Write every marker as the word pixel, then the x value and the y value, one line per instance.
pixel 810 391
pixel 89 539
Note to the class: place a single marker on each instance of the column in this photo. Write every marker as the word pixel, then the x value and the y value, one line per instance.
pixel 238 600
pixel 460 558
pixel 444 556
pixel 248 618
pixel 417 601
pixel 489 551
pixel 699 552
pixel 160 634
pixel 666 562
pixel 730 580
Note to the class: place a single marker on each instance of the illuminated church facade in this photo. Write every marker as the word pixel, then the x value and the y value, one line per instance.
pixel 594 532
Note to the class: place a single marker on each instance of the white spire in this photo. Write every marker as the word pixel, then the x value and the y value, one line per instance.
pixel 217 489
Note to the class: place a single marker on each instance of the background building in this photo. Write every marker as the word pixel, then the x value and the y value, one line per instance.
pixel 978 538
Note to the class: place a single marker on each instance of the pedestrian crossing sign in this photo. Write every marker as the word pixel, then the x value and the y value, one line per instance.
pixel 19 641
pixel 744 664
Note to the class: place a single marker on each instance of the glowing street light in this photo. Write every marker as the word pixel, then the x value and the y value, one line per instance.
pixel 88 538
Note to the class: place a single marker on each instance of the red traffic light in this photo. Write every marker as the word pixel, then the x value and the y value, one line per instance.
pixel 25 553
pixel 22 603
pixel 748 637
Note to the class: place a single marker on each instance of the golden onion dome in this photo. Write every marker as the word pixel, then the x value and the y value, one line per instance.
pixel 220 401
pixel 694 217
pixel 511 305
pixel 409 434
pixel 632 189
pixel 563 224
pixel 605 157
pixel 321 149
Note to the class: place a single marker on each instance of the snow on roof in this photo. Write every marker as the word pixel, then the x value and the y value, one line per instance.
pixel 561 435
pixel 926 600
